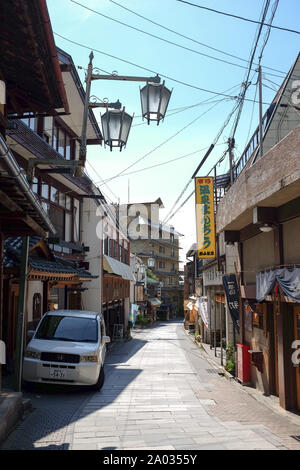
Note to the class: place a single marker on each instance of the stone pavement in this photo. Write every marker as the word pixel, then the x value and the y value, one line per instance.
pixel 159 393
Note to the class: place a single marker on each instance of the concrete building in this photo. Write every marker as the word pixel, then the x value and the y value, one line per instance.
pixel 158 246
pixel 259 215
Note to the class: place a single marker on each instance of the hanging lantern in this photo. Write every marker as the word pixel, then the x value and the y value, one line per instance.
pixel 115 127
pixel 154 100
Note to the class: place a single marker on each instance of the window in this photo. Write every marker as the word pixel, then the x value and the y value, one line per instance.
pixel 161 249
pixel 68 148
pixel 76 221
pixel 54 195
pixel 58 207
pixel 68 227
pixel 30 122
pixel 57 218
pixel 45 190
pixel 35 185
pixel 162 264
pixel 61 142
pixel 63 328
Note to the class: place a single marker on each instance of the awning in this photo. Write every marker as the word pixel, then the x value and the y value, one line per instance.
pixel 155 302
pixel 113 266
pixel 287 278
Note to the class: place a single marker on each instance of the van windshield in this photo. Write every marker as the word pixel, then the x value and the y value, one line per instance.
pixel 61 328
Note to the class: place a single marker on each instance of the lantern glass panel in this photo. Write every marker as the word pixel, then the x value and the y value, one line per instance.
pixel 127 120
pixel 164 101
pixel 114 123
pixel 154 99
pixel 104 119
pixel 143 93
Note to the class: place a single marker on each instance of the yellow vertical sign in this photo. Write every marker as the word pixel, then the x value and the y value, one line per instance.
pixel 205 217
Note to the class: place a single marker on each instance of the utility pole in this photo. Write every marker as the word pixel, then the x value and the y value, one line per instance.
pixel 231 143
pixel 21 313
pixel 260 113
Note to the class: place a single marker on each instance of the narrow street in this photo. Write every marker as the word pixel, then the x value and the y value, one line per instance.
pixel 159 393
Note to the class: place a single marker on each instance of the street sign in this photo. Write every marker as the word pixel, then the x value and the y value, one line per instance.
pixel 205 217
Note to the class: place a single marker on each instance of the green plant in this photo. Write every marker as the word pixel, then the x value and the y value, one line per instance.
pixel 141 320
pixel 230 359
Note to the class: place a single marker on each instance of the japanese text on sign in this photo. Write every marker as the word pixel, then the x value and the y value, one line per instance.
pixel 205 217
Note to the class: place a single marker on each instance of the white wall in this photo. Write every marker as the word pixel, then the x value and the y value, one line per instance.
pixel 34 287
pixel 92 298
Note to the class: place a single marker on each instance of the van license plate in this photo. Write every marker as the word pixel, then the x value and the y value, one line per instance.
pixel 57 374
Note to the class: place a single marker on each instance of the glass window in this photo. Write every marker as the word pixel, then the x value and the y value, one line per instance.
pixel 60 328
pixel 57 219
pixel 68 148
pixel 55 137
pixel 61 142
pixel 76 221
pixel 62 199
pixel 54 195
pixel 45 190
pixel 68 231
pixel 35 185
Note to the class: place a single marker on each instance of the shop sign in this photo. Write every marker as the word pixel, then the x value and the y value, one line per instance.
pixel 205 217
pixel 233 298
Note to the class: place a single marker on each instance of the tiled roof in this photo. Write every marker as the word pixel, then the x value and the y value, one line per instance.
pixel 12 256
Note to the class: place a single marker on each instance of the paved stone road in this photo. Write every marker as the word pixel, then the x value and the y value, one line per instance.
pixel 159 393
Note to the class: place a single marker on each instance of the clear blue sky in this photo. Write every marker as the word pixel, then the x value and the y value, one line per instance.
pixel 231 35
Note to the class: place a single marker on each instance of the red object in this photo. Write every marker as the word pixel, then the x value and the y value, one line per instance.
pixel 243 363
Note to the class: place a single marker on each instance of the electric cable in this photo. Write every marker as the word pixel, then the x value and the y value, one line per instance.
pixel 189 38
pixel 164 142
pixel 240 17
pixel 180 82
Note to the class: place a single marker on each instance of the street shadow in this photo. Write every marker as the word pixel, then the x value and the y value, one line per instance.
pixel 57 407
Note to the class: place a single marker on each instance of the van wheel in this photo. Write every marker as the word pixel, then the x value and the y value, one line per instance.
pixel 98 385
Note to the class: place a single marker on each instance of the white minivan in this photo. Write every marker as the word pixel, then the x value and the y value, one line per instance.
pixel 67 348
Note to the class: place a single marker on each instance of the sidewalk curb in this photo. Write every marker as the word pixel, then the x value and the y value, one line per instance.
pixel 253 393
pixel 12 408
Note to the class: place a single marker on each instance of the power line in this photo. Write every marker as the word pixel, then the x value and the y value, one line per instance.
pixel 149 70
pixel 188 37
pixel 164 163
pixel 96 172
pixel 165 141
pixel 246 83
pixel 240 17
pixel 158 37
pixel 204 158
pixel 193 192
